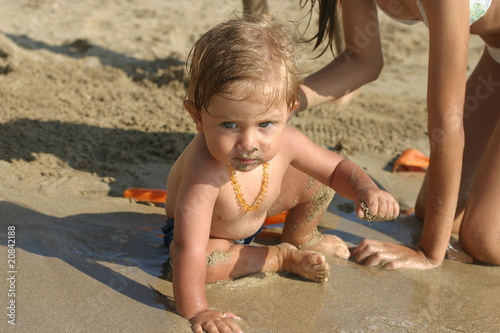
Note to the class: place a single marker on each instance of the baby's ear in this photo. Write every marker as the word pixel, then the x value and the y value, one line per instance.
pixel 293 108
pixel 195 114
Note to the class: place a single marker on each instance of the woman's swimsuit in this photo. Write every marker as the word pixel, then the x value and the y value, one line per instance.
pixel 477 10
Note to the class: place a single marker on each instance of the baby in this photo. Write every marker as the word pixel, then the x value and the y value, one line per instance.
pixel 246 164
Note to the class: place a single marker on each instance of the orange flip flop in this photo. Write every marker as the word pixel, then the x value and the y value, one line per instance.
pixel 157 196
pixel 411 160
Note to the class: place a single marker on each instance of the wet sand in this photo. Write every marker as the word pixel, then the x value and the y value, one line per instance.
pixel 91 105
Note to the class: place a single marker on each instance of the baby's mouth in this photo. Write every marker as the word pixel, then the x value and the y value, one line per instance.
pixel 247 160
pixel 243 163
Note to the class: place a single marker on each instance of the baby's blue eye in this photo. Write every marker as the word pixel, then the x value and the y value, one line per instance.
pixel 228 124
pixel 265 124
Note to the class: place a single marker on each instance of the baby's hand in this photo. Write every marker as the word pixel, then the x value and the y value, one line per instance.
pixel 212 321
pixel 374 204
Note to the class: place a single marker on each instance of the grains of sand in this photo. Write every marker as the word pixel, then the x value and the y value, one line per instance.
pixel 217 257
pixel 367 216
pixel 316 237
pixel 319 201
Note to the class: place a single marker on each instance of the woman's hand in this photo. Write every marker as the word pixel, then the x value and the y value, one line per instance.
pixel 390 256
pixel 374 204
pixel 212 321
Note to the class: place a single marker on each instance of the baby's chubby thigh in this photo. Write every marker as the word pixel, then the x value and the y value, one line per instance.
pixel 227 260
pixel 216 248
pixel 220 259
pixel 296 188
pixel 306 200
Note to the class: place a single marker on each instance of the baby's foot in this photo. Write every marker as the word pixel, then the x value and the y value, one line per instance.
pixel 308 264
pixel 329 245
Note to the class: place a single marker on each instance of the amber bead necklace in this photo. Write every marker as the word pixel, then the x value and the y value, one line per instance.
pixel 239 195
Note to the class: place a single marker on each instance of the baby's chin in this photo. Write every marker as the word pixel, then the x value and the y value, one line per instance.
pixel 245 167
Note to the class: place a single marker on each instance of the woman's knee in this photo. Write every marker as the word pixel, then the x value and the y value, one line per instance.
pixel 482 244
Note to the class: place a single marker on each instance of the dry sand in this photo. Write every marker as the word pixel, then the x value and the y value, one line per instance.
pixel 90 104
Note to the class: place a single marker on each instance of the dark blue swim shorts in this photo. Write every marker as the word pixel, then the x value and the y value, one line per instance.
pixel 168 232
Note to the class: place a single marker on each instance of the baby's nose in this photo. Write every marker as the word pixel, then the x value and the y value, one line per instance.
pixel 248 142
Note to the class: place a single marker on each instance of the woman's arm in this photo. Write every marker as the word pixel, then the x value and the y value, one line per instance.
pixel 448 48
pixel 448 37
pixel 360 63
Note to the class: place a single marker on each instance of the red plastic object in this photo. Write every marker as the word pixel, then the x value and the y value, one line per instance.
pixel 276 219
pixel 411 160
pixel 146 195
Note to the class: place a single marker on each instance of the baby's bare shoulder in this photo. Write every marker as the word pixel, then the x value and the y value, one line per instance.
pixel 196 164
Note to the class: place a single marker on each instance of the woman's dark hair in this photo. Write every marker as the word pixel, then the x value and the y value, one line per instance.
pixel 327 10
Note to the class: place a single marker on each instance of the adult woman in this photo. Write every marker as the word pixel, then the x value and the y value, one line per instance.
pixel 462 186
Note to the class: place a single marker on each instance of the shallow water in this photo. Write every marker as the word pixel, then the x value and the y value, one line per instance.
pixel 455 297
pixel 112 267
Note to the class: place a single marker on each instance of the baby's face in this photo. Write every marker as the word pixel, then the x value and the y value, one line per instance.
pixel 243 133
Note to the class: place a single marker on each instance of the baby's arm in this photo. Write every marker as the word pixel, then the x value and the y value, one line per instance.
pixel 342 175
pixel 372 203
pixel 193 217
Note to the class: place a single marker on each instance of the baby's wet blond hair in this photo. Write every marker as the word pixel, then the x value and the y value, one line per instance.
pixel 253 55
